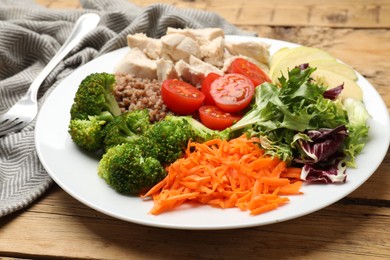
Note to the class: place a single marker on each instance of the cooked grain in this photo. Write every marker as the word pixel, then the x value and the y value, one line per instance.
pixel 138 93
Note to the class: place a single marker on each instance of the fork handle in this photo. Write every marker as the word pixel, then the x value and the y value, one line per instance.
pixel 83 26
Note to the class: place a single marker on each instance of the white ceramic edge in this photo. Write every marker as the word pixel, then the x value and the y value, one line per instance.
pixel 161 221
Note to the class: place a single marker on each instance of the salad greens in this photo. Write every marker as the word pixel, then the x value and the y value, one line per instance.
pixel 303 123
pixel 357 127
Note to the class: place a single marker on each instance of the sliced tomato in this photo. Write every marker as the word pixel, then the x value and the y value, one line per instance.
pixel 249 69
pixel 232 92
pixel 215 118
pixel 206 84
pixel 180 97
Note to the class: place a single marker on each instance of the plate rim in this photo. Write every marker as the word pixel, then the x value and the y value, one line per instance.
pixel 187 227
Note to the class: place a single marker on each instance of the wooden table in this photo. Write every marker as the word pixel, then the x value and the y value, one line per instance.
pixel 356 227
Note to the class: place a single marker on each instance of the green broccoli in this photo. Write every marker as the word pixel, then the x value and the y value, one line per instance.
pixel 93 107
pixel 127 127
pixel 88 133
pixel 172 134
pixel 138 151
pixel 201 133
pixel 129 169
pixel 94 96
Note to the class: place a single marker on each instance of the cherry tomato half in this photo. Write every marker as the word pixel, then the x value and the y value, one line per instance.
pixel 216 119
pixel 232 92
pixel 206 84
pixel 249 69
pixel 180 97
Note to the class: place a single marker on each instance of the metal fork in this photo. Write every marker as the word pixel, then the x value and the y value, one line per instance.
pixel 26 109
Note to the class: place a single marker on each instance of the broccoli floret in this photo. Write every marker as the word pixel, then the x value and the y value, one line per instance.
pixel 125 128
pixel 93 107
pixel 95 96
pixel 138 120
pixel 201 133
pixel 128 169
pixel 138 162
pixel 88 133
pixel 173 133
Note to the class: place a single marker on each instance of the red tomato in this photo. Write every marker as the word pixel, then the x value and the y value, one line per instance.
pixel 247 68
pixel 232 92
pixel 206 88
pixel 180 97
pixel 216 119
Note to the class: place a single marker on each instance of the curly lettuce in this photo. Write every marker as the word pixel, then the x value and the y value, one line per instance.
pixel 303 122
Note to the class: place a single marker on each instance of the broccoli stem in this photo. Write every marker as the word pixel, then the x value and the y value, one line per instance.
pixel 104 116
pixel 112 104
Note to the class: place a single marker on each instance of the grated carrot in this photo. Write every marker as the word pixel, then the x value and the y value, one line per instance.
pixel 226 174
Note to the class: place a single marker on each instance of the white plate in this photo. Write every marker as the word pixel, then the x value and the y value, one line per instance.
pixel 76 171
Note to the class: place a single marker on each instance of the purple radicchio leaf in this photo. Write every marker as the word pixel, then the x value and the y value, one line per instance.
pixel 333 93
pixel 303 66
pixel 324 143
pixel 333 173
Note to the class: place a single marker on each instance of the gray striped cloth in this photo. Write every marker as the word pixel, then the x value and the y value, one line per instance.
pixel 29 37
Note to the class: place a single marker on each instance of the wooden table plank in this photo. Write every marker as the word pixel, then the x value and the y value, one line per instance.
pixel 366 50
pixel 89 234
pixel 345 14
pixel 353 46
pixel 357 227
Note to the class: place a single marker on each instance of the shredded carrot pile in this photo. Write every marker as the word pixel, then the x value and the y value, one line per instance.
pixel 226 174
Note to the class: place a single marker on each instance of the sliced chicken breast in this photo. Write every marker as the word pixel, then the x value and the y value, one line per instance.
pixel 136 63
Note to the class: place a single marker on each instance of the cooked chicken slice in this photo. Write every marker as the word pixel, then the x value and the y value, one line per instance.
pixel 166 70
pixel 203 66
pixel 150 46
pixel 189 74
pixel 179 47
pixel 195 71
pixel 213 51
pixel 136 63
pixel 255 50
pixel 202 36
pixel 189 46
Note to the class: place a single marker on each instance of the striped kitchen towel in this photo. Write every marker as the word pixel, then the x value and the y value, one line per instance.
pixel 29 37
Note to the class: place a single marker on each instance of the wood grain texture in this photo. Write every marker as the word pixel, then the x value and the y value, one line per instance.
pixel 361 38
pixel 89 234
pixel 356 227
pixel 334 13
